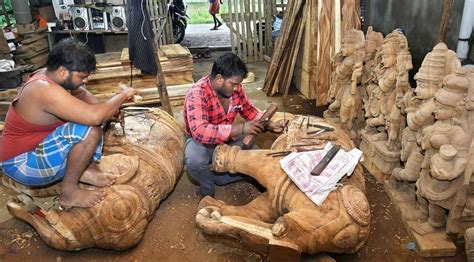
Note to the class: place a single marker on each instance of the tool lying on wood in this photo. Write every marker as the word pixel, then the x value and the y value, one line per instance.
pixel 319 168
pixel 249 139
pixel 327 128
pixel 298 150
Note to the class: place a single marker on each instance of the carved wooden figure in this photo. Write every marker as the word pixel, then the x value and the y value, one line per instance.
pixel 284 218
pixel 419 106
pixel 147 162
pixel 347 99
pixel 373 44
pixel 395 121
pixel 446 144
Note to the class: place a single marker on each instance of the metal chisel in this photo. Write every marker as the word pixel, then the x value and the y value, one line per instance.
pixel 318 169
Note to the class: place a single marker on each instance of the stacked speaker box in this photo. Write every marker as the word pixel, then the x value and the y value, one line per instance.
pixel 80 18
pixel 118 18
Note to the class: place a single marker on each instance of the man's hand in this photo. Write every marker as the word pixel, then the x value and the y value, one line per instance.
pixel 253 127
pixel 277 126
pixel 129 92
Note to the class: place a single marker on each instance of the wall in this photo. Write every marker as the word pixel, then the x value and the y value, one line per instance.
pixel 419 18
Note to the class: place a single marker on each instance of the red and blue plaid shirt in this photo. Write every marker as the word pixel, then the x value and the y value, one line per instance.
pixel 205 118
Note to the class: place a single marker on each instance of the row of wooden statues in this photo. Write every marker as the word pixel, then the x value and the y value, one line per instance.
pixel 420 136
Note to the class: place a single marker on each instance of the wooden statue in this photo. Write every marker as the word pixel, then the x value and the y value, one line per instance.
pixel 419 107
pixel 395 122
pixel 344 91
pixel 446 144
pixel 443 200
pixel 382 133
pixel 147 160
pixel 283 219
pixel 373 44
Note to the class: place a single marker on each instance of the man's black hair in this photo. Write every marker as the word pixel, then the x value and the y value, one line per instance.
pixel 229 65
pixel 73 55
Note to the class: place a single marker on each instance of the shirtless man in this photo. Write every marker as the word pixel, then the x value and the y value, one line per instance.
pixel 53 128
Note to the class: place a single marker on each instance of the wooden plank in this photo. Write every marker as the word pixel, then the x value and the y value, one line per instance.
pixel 237 29
pixel 125 57
pixel 230 25
pixel 250 57
pixel 324 54
pixel 110 59
pixel 175 50
pixel 283 47
pixel 260 31
pixel 242 28
pixel 294 55
pixel 254 31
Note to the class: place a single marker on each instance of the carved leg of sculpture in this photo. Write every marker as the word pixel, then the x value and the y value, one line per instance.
pixel 258 209
pixel 437 215
pixel 422 204
pixel 348 112
pixel 78 159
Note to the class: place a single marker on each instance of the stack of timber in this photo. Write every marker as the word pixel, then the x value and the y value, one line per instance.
pixel 309 37
pixel 34 48
pixel 114 70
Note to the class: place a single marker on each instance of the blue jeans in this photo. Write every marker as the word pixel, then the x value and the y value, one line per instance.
pixel 198 158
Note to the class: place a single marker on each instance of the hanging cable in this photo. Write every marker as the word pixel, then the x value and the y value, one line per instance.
pixel 143 22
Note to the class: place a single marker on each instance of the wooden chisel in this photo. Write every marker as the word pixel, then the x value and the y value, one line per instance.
pixel 319 168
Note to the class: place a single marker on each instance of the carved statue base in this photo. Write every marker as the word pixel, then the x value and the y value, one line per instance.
pixel 430 242
pixel 147 161
pixel 283 222
pixel 378 159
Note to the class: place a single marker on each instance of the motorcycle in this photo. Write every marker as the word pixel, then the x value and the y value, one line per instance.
pixel 179 19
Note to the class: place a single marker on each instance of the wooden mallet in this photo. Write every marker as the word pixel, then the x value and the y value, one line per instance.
pixel 250 138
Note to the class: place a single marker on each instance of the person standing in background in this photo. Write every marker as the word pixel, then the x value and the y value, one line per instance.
pixel 214 7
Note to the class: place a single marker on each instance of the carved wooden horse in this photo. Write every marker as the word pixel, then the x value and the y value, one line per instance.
pixel 147 161
pixel 284 218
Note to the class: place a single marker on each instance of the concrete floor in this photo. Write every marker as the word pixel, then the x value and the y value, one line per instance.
pixel 173 236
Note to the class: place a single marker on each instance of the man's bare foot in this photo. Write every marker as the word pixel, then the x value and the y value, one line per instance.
pixel 78 197
pixel 95 177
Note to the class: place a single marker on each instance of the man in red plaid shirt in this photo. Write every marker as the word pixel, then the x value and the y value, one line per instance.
pixel 210 108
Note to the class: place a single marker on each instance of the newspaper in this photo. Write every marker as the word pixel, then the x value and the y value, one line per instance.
pixel 298 167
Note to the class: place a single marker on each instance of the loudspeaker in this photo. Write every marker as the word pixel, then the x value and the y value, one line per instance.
pixel 118 18
pixel 80 18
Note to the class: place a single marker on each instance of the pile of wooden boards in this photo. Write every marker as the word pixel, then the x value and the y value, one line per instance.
pixel 309 37
pixel 34 48
pixel 114 69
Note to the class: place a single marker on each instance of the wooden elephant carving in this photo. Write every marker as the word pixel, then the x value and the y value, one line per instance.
pixel 147 157
pixel 283 217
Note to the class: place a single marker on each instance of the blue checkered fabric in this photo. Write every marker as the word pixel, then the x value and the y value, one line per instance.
pixel 47 163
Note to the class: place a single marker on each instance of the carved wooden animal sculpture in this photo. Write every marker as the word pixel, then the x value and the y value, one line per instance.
pixel 284 217
pixel 147 162
pixel 436 65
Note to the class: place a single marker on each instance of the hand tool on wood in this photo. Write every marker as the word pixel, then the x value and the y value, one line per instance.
pixel 319 168
pixel 249 139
